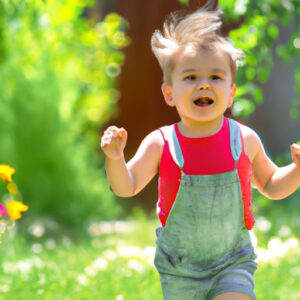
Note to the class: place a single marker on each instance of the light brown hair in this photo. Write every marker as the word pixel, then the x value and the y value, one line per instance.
pixel 200 30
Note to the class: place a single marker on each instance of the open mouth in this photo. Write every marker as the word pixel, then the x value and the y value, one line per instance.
pixel 204 101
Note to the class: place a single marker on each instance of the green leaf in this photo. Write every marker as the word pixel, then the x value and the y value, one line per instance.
pixel 250 73
pixel 283 52
pixel 273 32
pixel 263 74
pixel 294 115
pixel 242 90
pixel 297 76
pixel 184 2
pixel 243 107
pixel 258 95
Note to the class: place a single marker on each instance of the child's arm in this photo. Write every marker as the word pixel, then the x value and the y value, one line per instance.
pixel 272 181
pixel 128 179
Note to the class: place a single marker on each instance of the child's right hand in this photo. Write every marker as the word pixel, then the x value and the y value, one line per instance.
pixel 113 142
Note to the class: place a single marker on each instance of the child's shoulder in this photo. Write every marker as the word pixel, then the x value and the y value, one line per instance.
pixel 252 141
pixel 166 131
pixel 248 133
pixel 156 138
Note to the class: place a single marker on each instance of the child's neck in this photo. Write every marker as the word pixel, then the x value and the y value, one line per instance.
pixel 201 129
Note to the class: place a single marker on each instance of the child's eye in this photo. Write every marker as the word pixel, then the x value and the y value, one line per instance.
pixel 190 77
pixel 215 77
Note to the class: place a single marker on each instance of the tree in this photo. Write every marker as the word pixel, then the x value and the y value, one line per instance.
pixel 58 71
pixel 254 26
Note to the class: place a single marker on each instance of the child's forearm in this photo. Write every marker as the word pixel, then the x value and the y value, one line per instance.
pixel 119 177
pixel 283 182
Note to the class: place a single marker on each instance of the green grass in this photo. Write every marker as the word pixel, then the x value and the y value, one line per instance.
pixel 115 261
pixel 279 280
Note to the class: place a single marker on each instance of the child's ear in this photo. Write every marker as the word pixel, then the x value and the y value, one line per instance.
pixel 232 94
pixel 168 94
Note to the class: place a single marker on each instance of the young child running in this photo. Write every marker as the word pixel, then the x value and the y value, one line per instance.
pixel 205 164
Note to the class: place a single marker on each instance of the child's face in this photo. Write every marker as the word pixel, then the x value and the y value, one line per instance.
pixel 201 88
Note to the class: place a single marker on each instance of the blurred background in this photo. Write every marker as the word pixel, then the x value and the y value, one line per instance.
pixel 70 68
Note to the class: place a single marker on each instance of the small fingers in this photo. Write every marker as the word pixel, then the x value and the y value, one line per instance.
pixel 122 133
pixel 111 134
pixel 105 141
pixel 111 131
pixel 114 131
pixel 295 151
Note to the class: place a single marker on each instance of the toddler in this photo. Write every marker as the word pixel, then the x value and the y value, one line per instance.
pixel 206 163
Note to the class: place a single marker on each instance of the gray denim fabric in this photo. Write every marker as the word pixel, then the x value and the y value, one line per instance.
pixel 204 249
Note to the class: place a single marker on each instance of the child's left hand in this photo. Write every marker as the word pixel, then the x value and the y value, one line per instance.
pixel 295 151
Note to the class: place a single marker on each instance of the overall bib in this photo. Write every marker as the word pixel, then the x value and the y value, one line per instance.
pixel 204 249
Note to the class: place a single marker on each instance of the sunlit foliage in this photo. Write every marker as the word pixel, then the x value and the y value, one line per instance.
pixel 259 25
pixel 58 70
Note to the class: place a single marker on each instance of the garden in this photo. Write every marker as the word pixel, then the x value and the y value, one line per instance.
pixel 63 234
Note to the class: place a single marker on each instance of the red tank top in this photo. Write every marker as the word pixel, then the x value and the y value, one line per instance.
pixel 202 156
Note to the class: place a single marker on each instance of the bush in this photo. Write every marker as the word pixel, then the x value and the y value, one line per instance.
pixel 256 29
pixel 57 75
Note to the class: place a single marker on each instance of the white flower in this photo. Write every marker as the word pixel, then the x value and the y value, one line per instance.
pixel 263 224
pixel 135 265
pixel 284 231
pixel 37 229
pixel 37 248
pixel 50 244
pixel 83 280
pixel 4 288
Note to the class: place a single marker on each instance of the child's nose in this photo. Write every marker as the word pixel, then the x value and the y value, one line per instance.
pixel 203 84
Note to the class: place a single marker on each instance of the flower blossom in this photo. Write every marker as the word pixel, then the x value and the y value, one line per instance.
pixel 12 188
pixel 3 211
pixel 6 172
pixel 15 208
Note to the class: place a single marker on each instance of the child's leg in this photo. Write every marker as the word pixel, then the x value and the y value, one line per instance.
pixel 235 282
pixel 175 288
pixel 233 296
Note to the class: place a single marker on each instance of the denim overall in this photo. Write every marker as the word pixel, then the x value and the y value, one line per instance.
pixel 204 249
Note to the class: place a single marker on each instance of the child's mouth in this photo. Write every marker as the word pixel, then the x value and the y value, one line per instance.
pixel 204 101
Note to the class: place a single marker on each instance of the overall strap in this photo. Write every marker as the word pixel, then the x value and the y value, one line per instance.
pixel 235 140
pixel 178 152
pixel 170 136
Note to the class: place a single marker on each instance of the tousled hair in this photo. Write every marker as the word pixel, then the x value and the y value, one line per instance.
pixel 200 29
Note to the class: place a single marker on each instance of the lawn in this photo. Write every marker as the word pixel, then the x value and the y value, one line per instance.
pixel 114 260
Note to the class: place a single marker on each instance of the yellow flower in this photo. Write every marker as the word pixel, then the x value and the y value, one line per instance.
pixel 6 172
pixel 12 188
pixel 15 208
